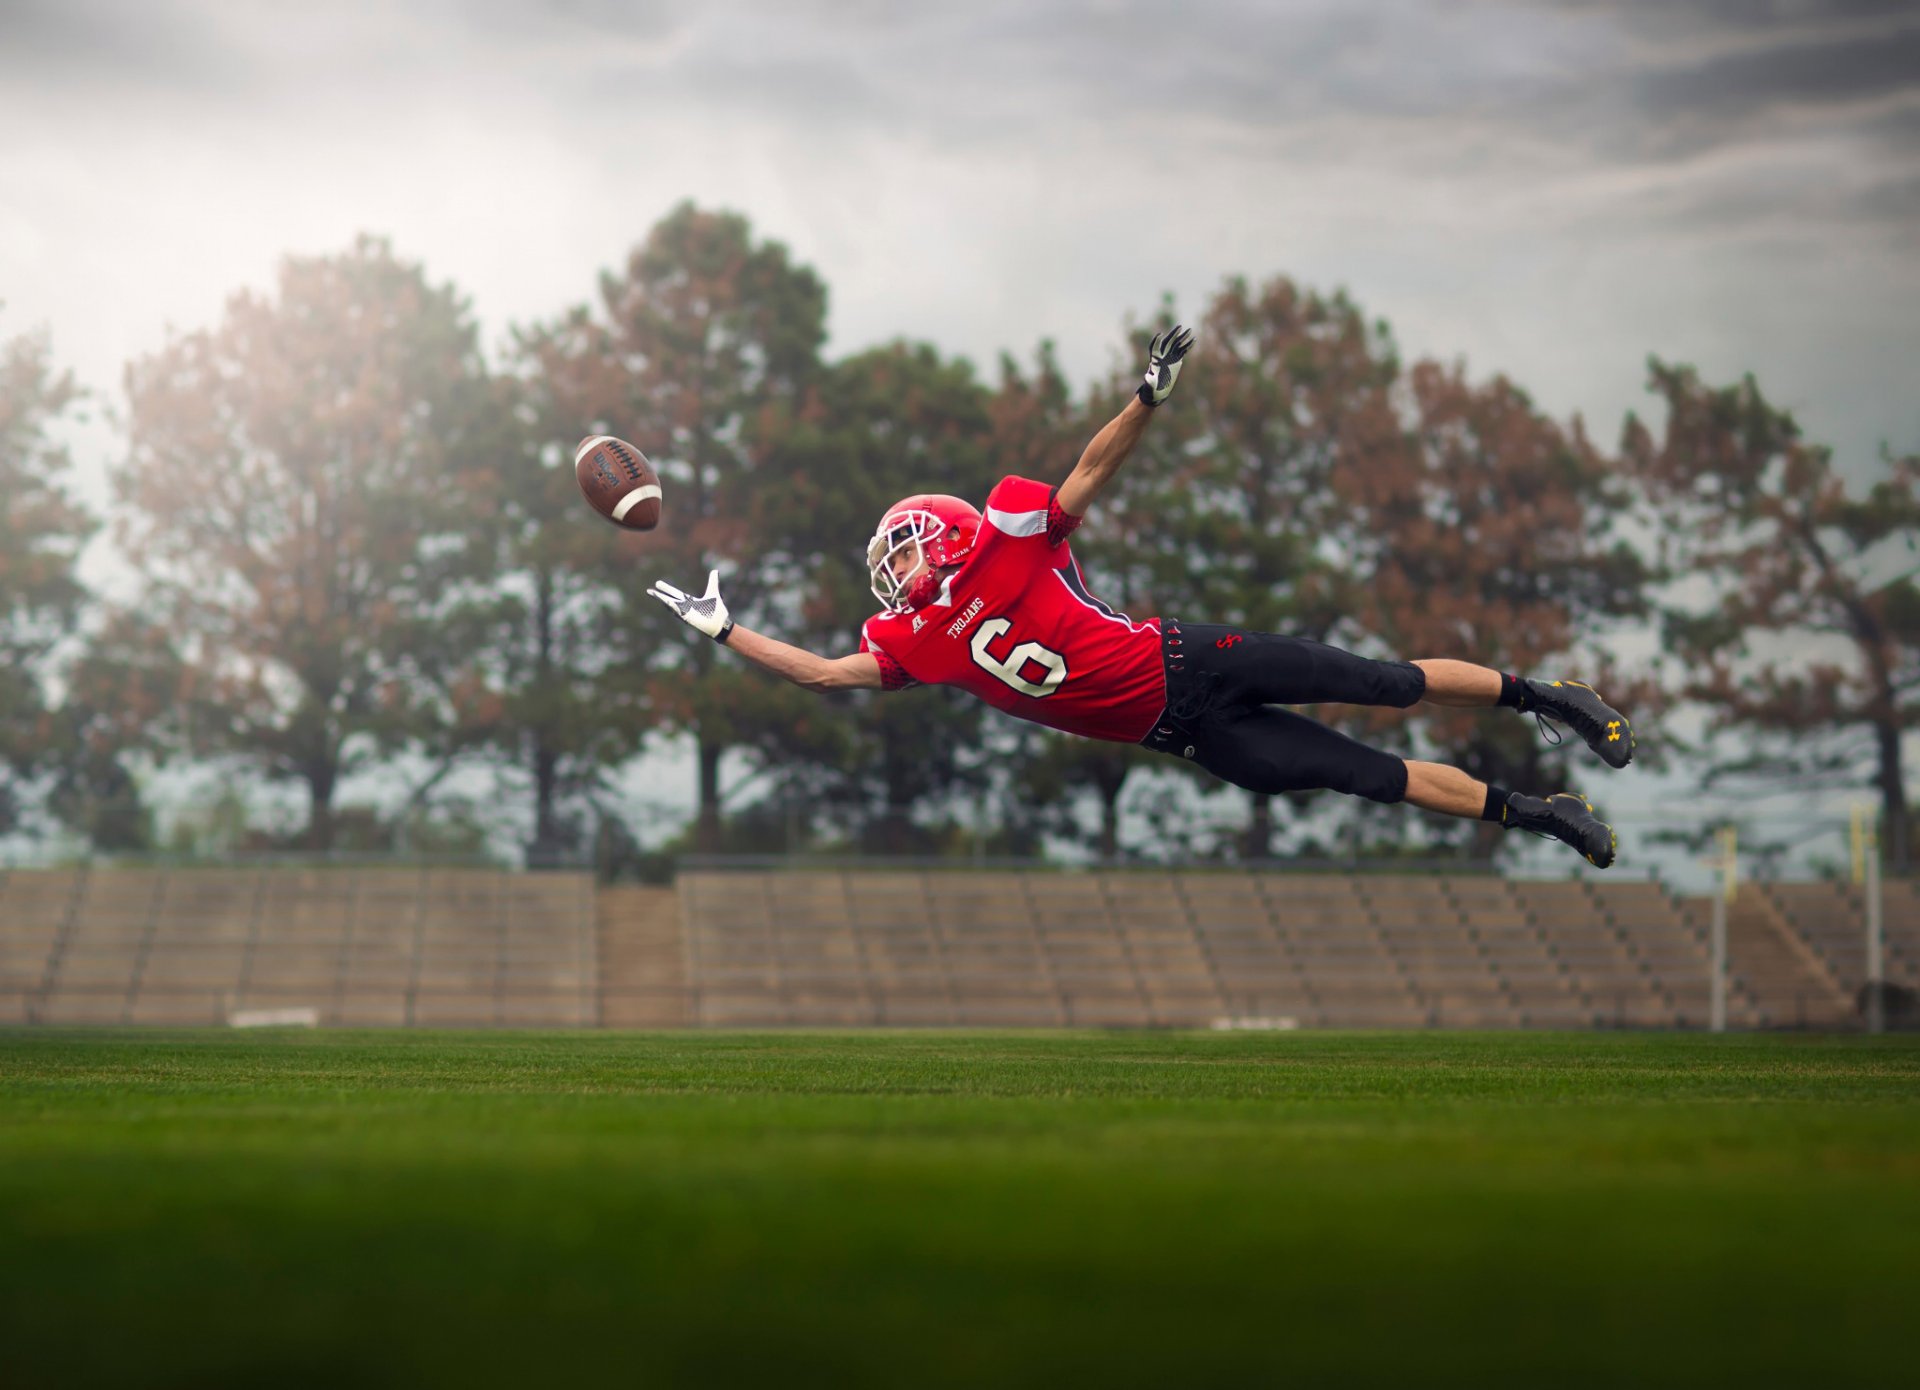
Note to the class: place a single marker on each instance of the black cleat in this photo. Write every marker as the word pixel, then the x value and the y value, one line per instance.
pixel 1568 818
pixel 1605 729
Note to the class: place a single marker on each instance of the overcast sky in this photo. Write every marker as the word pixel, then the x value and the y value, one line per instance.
pixel 1549 189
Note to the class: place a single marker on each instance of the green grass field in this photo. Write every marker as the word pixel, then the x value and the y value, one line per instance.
pixel 855 1209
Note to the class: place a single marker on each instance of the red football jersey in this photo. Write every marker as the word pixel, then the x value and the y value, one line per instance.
pixel 1016 626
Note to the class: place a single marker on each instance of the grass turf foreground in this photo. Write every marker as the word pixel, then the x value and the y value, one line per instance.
pixel 872 1208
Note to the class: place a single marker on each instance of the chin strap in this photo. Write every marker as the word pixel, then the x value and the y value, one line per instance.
pixel 925 589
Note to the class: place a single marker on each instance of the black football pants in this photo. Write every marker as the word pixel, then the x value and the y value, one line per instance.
pixel 1223 684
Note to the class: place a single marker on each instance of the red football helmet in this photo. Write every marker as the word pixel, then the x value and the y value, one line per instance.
pixel 941 530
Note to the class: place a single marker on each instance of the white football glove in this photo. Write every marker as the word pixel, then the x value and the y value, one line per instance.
pixel 707 613
pixel 1163 364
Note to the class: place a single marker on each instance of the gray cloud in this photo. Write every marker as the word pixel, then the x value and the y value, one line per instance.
pixel 1739 90
pixel 1632 82
pixel 98 45
pixel 1482 171
pixel 1668 20
pixel 1898 206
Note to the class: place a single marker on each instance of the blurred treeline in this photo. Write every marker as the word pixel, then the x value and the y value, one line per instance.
pixel 359 545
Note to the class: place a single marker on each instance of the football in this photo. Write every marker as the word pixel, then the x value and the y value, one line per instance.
pixel 618 481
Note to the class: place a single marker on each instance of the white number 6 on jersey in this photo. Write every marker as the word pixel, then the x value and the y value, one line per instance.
pixel 1009 670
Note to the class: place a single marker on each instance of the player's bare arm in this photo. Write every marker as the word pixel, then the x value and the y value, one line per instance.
pixel 707 613
pixel 861 671
pixel 1103 457
pixel 1109 448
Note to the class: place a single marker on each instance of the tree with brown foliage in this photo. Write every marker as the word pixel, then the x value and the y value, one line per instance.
pixel 303 482
pixel 1487 528
pixel 1800 632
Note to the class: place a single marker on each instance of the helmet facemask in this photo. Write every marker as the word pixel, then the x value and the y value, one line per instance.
pixel 902 533
pixel 936 531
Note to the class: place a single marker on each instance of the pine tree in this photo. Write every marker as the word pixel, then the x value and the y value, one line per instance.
pixel 698 352
pixel 42 530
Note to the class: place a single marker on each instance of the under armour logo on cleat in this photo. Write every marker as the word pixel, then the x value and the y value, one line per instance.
pixel 1613 731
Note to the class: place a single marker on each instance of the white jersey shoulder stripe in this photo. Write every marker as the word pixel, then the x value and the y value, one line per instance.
pixel 1018 523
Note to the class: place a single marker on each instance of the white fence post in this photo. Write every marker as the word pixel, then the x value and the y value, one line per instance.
pixel 1876 1003
pixel 1729 852
pixel 1866 877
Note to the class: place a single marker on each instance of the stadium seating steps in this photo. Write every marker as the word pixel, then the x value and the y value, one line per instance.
pixel 371 947
pixel 899 947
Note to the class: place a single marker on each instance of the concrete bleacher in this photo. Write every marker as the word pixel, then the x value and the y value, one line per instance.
pixel 1186 948
pixel 1830 917
pixel 1785 977
pixel 1251 965
pixel 370 947
pixel 642 957
pixel 1426 937
pixel 1520 952
pixel 446 947
pixel 36 911
pixel 1666 942
pixel 1901 925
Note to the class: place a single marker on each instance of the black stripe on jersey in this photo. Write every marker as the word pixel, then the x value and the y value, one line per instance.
pixel 1070 576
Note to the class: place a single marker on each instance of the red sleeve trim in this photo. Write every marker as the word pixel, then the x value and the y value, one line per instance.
pixel 893 676
pixel 1060 523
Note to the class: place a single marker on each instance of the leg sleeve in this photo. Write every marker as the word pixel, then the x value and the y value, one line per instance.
pixel 1275 750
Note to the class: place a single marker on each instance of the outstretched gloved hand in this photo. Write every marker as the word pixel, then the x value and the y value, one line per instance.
pixel 708 612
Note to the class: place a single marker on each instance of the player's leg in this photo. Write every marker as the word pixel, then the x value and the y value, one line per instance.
pixel 1271 750
pixel 1565 816
pixel 1267 749
pixel 1461 684
pixel 1448 790
pixel 1271 668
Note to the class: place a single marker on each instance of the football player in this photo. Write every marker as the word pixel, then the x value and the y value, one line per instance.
pixel 994 603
